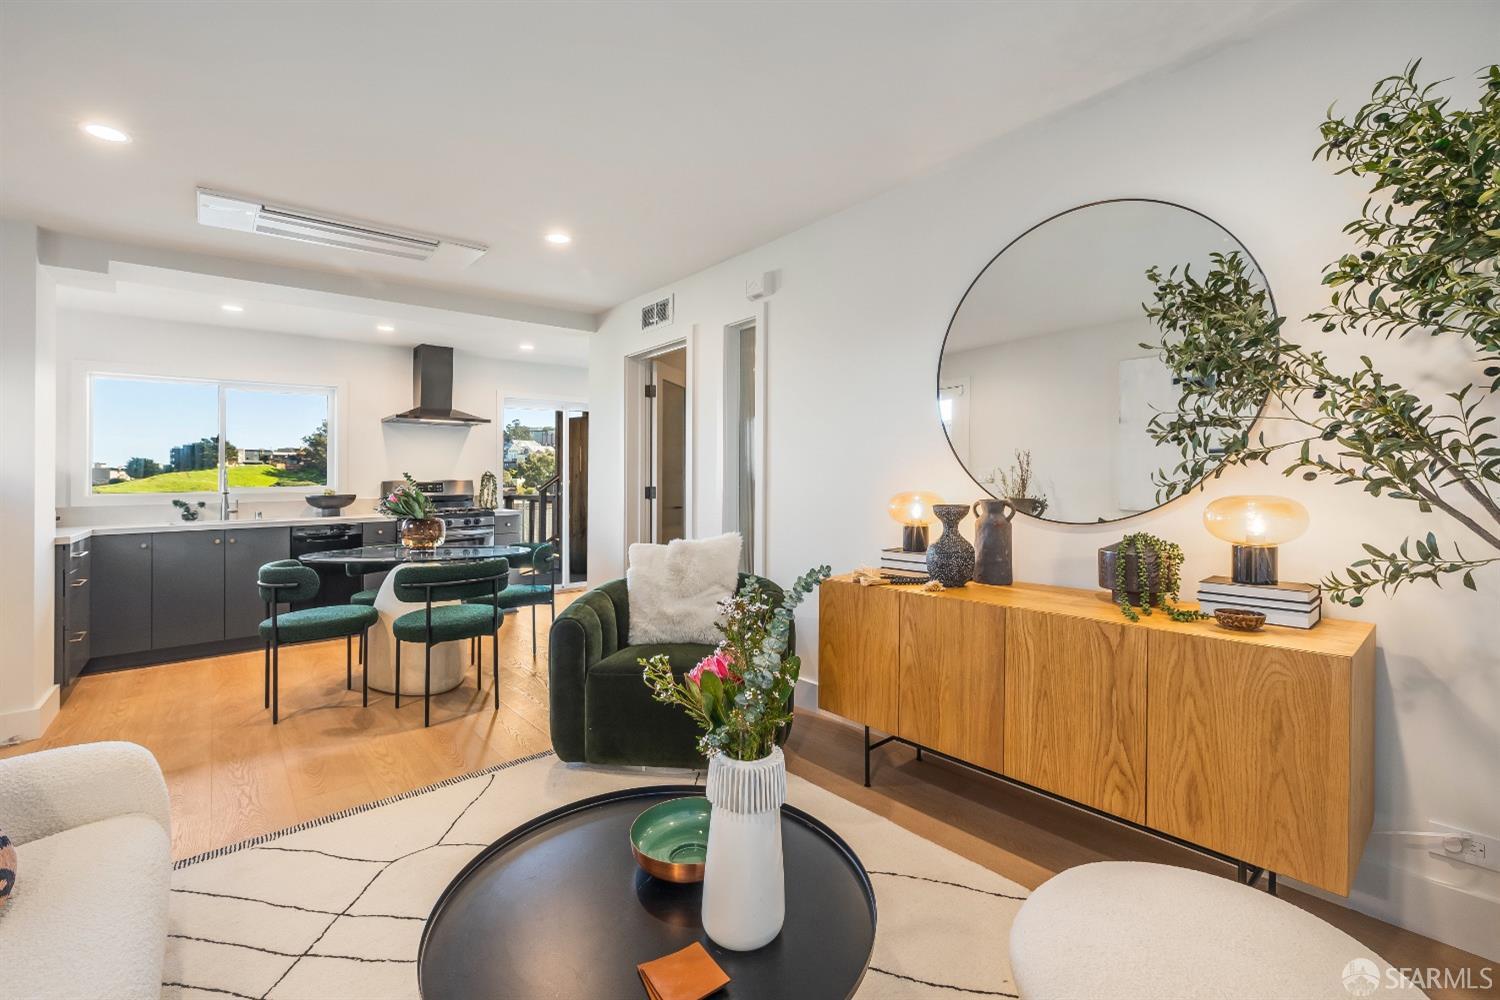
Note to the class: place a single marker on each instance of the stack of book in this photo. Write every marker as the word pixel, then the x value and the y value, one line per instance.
pixel 900 561
pixel 1299 605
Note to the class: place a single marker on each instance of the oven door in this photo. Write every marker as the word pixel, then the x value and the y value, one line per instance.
pixel 469 536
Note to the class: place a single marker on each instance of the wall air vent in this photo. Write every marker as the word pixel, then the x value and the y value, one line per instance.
pixel 657 314
pixel 247 215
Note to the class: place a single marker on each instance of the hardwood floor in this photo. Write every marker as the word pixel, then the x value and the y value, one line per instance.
pixel 233 775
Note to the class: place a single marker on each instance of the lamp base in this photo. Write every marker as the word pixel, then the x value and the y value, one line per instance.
pixel 914 538
pixel 1254 564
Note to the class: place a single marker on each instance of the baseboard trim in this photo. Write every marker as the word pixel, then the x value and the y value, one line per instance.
pixel 1453 914
pixel 24 724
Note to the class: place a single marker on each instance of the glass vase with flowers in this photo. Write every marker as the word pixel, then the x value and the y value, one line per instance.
pixel 419 525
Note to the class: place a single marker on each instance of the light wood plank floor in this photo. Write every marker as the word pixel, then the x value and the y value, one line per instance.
pixel 232 775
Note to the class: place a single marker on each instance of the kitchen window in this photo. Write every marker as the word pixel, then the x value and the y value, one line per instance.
pixel 184 436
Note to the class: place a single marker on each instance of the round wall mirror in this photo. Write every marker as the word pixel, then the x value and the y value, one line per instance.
pixel 1044 389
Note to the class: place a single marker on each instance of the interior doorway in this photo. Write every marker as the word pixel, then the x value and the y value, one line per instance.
pixel 659 431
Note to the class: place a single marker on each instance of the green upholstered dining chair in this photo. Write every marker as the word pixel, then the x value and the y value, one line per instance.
pixel 449 622
pixel 287 580
pixel 359 570
pixel 545 565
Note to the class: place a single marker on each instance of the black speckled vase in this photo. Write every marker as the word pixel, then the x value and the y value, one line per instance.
pixel 950 559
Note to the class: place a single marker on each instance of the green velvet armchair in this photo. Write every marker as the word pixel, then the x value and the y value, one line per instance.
pixel 601 710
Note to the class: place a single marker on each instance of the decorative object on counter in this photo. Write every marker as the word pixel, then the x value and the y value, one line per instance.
pixel 687 974
pixel 1422 266
pixel 1014 484
pixel 420 526
pixel 1143 571
pixel 329 503
pixel 1255 525
pixel 904 562
pixel 189 511
pixel 950 559
pixel 913 511
pixel 489 492
pixel 740 696
pixel 992 542
pixel 1239 619
pixel 670 840
pixel 1297 605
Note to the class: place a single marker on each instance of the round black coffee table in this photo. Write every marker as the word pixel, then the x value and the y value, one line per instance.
pixel 558 908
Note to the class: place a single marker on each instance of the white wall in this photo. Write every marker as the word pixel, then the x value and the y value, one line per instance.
pixel 372 382
pixel 28 697
pixel 863 300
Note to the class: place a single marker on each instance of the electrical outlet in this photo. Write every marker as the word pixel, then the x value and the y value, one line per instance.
pixel 1476 849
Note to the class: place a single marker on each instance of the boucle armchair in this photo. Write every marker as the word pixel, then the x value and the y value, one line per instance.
pixel 88 917
pixel 601 710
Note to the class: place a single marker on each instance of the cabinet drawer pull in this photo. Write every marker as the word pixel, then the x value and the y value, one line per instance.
pixel 231 541
pixel 79 583
pixel 80 555
pixel 218 541
pixel 145 544
pixel 80 636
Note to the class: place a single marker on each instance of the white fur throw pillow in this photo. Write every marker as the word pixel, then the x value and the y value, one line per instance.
pixel 675 589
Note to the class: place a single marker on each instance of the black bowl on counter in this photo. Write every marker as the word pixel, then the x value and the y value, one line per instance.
pixel 329 504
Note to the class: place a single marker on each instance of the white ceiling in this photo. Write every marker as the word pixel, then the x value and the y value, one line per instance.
pixel 665 136
pixel 153 293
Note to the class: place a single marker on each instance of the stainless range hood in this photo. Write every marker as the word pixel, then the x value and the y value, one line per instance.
pixel 432 391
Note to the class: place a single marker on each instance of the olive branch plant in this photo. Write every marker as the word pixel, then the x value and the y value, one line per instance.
pixel 1428 243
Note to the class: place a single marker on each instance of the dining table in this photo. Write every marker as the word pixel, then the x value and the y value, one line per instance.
pixel 450 660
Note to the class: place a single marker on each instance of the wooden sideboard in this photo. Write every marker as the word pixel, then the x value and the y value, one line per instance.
pixel 1256 746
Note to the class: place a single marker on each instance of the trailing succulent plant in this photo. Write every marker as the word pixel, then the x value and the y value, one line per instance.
pixel 1426 262
pixel 1167 578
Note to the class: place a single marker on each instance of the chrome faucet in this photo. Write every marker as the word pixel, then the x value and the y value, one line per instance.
pixel 227 506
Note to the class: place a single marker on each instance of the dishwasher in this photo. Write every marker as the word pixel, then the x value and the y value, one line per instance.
pixel 334 585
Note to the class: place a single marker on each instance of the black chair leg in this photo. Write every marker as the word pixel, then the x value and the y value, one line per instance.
pixel 533 631
pixel 364 669
pixel 427 689
pixel 348 663
pixel 495 664
pixel 275 683
pixel 268 674
pixel 398 673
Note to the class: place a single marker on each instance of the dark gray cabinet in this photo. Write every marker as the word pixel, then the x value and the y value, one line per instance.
pixel 246 550
pixel 71 646
pixel 379 533
pixel 187 588
pixel 120 594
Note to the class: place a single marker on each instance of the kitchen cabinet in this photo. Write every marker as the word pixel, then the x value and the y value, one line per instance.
pixel 379 533
pixel 74 566
pixel 246 550
pixel 187 588
pixel 120 594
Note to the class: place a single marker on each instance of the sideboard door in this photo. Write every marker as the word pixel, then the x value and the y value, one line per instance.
pixel 953 676
pixel 1075 709
pixel 1253 753
pixel 859 672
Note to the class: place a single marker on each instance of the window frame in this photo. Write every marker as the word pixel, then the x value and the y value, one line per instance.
pixel 87 493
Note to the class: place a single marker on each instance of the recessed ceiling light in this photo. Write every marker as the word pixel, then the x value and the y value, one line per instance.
pixel 106 132
pixel 230 307
pixel 559 239
pixel 385 328
pixel 528 347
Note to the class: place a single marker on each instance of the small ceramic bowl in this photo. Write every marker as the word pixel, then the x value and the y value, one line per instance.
pixel 1239 619
pixel 670 840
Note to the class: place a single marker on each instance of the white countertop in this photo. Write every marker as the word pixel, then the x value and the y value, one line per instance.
pixel 78 532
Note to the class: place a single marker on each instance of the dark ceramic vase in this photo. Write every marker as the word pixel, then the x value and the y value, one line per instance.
pixel 950 559
pixel 1135 581
pixel 992 542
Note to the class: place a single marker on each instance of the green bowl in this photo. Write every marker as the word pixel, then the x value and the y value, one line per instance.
pixel 670 840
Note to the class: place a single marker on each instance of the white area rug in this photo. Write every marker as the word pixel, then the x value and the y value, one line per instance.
pixel 334 908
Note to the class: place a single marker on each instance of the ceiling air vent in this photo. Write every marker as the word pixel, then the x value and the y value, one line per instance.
pixel 247 215
pixel 657 314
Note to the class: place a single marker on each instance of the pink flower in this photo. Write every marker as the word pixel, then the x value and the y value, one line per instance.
pixel 718 663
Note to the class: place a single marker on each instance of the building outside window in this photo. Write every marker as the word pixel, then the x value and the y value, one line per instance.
pixel 168 436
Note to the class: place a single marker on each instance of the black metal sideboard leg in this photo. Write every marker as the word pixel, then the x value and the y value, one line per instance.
pixel 867 756
pixel 1271 883
pixel 919 753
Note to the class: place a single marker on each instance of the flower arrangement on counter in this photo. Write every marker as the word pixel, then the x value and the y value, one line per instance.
pixel 739 694
pixel 407 501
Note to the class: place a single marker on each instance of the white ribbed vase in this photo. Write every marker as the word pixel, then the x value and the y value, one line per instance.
pixel 744 884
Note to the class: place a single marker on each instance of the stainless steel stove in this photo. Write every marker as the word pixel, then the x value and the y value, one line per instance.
pixel 454 500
